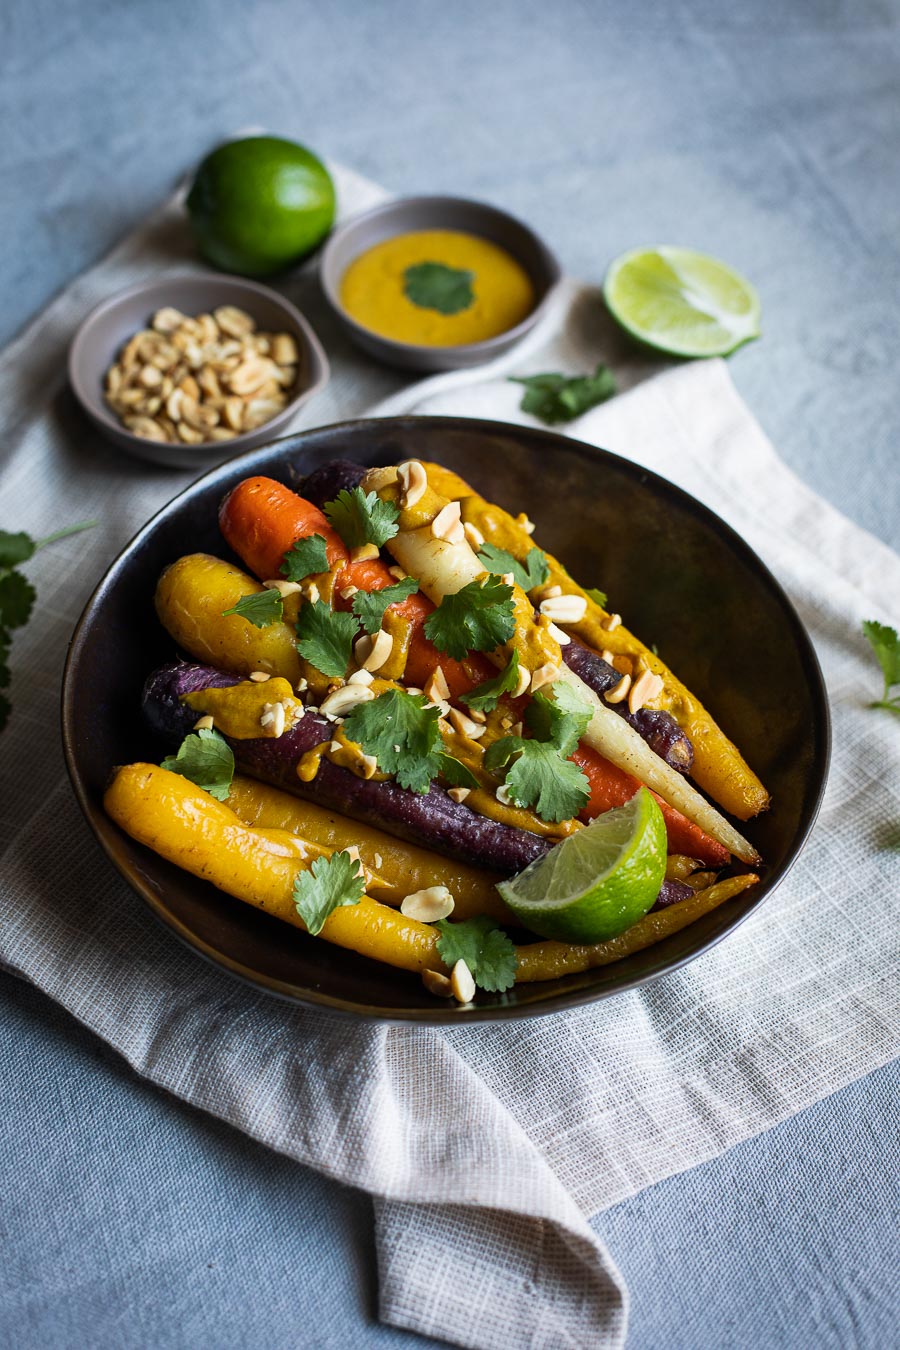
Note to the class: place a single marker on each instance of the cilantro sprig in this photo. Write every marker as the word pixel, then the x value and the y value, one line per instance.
pixel 362 517
pixel 554 398
pixel 369 606
pixel 305 558
pixel 434 285
pixel 488 952
pixel 261 608
pixel 17 595
pixel 532 572
pixel 886 645
pixel 401 730
pixel 325 638
pixel 327 885
pixel 598 597
pixel 206 759
pixel 485 697
pixel 477 618
pixel 539 772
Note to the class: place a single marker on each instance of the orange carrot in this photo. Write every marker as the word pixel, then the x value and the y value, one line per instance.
pixel 611 787
pixel 261 519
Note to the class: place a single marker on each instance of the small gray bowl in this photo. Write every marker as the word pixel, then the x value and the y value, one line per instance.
pixel 108 327
pixel 437 213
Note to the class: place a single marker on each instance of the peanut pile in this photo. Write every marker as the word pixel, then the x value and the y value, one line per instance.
pixel 201 379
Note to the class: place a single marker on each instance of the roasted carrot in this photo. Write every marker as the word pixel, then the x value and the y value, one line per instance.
pixel 261 519
pixel 610 787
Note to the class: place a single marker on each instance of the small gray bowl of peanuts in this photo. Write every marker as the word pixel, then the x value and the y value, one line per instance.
pixel 187 371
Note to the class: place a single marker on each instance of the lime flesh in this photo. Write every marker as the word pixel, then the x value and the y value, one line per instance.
pixel 598 881
pixel 259 204
pixel 682 302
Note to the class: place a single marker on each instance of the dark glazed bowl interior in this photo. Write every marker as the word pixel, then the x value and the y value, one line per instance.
pixel 682 579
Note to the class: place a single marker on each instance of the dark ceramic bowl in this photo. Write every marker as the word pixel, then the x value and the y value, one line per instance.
pixel 405 214
pixel 108 327
pixel 682 577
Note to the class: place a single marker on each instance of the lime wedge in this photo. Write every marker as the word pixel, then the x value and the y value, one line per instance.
pixel 598 881
pixel 682 302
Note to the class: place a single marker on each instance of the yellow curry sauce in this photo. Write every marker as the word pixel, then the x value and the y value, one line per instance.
pixel 372 289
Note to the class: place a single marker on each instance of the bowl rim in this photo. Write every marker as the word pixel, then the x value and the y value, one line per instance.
pixel 98 411
pixel 441 1015
pixel 485 346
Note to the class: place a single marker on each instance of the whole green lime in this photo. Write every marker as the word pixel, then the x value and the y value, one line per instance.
pixel 260 204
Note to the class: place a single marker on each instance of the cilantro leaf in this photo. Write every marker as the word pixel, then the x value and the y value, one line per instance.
pixel 402 732
pixel 489 953
pixel 325 638
pixel 533 572
pixel 541 774
pixel 325 887
pixel 455 773
pixel 305 558
pixel 598 597
pixel 17 596
pixel 886 646
pixel 15 548
pixel 362 517
pixel 369 606
pixel 560 398
pixel 485 697
pixel 477 618
pixel 433 285
pixel 205 758
pixel 262 608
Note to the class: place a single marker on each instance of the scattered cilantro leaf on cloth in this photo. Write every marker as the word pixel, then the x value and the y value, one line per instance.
pixel 533 572
pixel 362 517
pixel 538 771
pixel 325 638
pixel 17 595
pixel 205 758
pixel 598 597
pixel 476 619
pixel 305 558
pixel 556 398
pixel 485 697
pixel 489 953
pixel 369 606
pixel 402 732
pixel 324 887
pixel 886 645
pixel 261 608
pixel 433 285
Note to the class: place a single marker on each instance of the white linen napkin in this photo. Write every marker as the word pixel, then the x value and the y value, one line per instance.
pixel 486 1148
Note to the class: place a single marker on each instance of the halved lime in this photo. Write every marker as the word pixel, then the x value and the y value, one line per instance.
pixel 681 301
pixel 598 881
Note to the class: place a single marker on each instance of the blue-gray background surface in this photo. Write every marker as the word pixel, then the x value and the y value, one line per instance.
pixel 766 132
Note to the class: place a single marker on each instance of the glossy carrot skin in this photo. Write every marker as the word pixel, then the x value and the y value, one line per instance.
pixel 611 787
pixel 262 518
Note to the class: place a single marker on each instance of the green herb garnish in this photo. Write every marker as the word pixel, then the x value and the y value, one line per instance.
pixel 488 952
pixel 327 885
pixel 886 646
pixel 325 638
pixel 362 517
pixel 598 597
pixel 533 572
pixel 485 697
pixel 562 398
pixel 17 595
pixel 476 619
pixel 538 770
pixel 369 606
pixel 432 285
pixel 262 608
pixel 305 558
pixel 402 732
pixel 205 758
